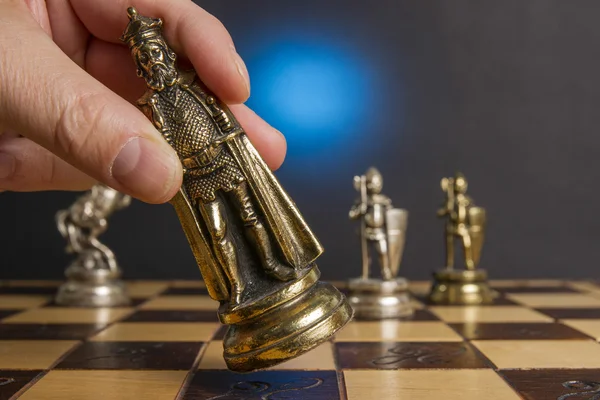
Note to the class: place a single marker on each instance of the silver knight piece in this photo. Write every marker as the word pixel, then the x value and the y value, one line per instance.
pixel 93 277
pixel 383 232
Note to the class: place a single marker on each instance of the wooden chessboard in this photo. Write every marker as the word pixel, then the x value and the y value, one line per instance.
pixel 539 341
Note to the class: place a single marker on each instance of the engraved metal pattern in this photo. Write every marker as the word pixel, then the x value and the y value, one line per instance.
pixel 582 388
pixel 190 127
pixel 256 390
pixel 424 355
pixel 191 130
pixel 6 381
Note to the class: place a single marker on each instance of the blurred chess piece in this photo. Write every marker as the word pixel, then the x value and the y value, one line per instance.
pixel 465 223
pixel 93 279
pixel 383 232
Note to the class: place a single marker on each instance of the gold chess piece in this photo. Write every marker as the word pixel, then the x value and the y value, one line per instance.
pixel 93 277
pixel 254 250
pixel 383 232
pixel 465 223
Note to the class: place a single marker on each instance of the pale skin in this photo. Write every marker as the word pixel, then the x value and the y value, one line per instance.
pixel 67 88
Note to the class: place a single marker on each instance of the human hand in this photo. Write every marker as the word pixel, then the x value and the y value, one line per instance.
pixel 66 88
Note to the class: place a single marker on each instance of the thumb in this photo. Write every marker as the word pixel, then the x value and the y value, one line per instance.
pixel 50 100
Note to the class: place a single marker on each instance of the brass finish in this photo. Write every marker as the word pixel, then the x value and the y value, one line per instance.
pixel 465 222
pixel 384 229
pixel 469 287
pixel 93 278
pixel 254 250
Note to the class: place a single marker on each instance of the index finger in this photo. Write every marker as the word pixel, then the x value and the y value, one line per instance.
pixel 189 30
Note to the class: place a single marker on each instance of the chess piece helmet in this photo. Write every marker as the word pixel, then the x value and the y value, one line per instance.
pixel 460 183
pixel 374 181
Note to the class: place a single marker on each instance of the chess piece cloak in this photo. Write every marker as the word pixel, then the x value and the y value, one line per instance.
pixel 383 229
pixel 465 222
pixel 254 250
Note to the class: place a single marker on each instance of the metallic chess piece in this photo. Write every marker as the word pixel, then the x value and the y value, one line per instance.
pixel 383 228
pixel 465 222
pixel 93 278
pixel 254 250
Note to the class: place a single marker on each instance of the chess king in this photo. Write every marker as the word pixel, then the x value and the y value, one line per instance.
pixel 255 251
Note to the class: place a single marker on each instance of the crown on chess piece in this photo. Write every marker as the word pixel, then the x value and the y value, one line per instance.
pixel 140 28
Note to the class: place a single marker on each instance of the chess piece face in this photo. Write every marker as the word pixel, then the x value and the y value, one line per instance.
pixel 255 251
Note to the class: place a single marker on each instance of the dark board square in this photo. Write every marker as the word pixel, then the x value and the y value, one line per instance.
pixel 559 384
pixel 571 313
pixel 186 291
pixel 13 381
pixel 48 331
pixel 289 385
pixel 409 355
pixel 135 302
pixel 6 313
pixel 498 301
pixel 173 316
pixel 39 290
pixel 133 355
pixel 537 289
pixel 423 315
pixel 517 331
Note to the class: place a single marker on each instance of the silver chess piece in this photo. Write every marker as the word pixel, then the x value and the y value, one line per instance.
pixel 383 232
pixel 93 279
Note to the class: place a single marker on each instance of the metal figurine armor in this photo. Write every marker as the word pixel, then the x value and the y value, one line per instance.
pixel 93 276
pixel 465 222
pixel 254 250
pixel 384 228
pixel 381 225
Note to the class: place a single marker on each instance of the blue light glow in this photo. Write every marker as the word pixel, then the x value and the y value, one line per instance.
pixel 320 95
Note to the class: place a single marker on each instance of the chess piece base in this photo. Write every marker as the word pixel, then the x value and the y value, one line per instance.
pixel 464 287
pixel 375 299
pixel 92 288
pixel 313 311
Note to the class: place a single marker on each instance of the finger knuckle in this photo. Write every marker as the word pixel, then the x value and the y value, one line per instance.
pixel 79 121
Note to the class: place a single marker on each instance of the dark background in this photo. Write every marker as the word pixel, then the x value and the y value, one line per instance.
pixel 506 91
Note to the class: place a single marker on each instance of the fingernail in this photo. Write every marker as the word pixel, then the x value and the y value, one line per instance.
pixel 241 68
pixel 8 164
pixel 146 169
